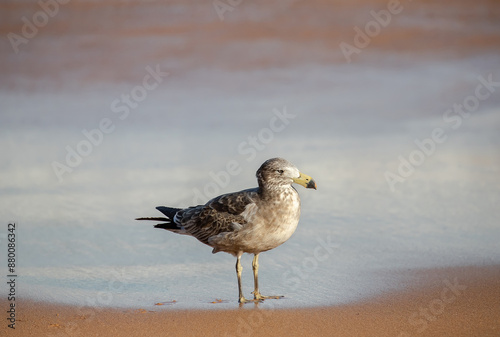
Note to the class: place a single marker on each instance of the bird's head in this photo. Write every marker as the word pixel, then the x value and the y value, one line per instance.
pixel 279 172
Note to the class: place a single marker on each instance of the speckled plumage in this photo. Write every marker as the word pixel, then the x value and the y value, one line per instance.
pixel 249 221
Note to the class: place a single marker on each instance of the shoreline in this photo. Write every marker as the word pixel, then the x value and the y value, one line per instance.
pixel 458 301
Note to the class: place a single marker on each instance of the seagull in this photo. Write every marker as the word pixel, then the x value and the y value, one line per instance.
pixel 250 221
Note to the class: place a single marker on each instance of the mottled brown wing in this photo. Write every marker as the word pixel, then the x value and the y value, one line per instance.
pixel 221 214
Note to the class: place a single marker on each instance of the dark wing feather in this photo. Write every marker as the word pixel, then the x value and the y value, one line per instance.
pixel 219 215
pixel 168 211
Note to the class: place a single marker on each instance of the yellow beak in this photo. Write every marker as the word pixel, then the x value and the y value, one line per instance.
pixel 305 181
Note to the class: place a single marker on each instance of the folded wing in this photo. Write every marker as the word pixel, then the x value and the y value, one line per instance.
pixel 222 214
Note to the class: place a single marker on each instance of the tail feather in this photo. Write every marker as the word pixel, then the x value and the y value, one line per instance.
pixel 168 220
pixel 154 219
pixel 168 226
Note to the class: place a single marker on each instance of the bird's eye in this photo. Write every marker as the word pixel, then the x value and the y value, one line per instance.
pixel 280 171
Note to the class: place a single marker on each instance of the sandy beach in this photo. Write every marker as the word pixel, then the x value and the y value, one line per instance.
pixel 458 301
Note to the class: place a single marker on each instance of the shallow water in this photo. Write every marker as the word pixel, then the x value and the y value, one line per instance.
pixel 237 93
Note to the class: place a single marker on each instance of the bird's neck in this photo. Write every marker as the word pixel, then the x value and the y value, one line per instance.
pixel 276 192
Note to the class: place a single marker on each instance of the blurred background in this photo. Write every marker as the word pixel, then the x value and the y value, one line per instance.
pixel 110 108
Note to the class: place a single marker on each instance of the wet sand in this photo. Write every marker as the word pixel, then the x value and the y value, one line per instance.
pixel 459 301
pixel 96 47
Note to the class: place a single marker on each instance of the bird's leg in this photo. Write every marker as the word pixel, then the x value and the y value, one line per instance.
pixel 239 269
pixel 255 268
pixel 256 293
